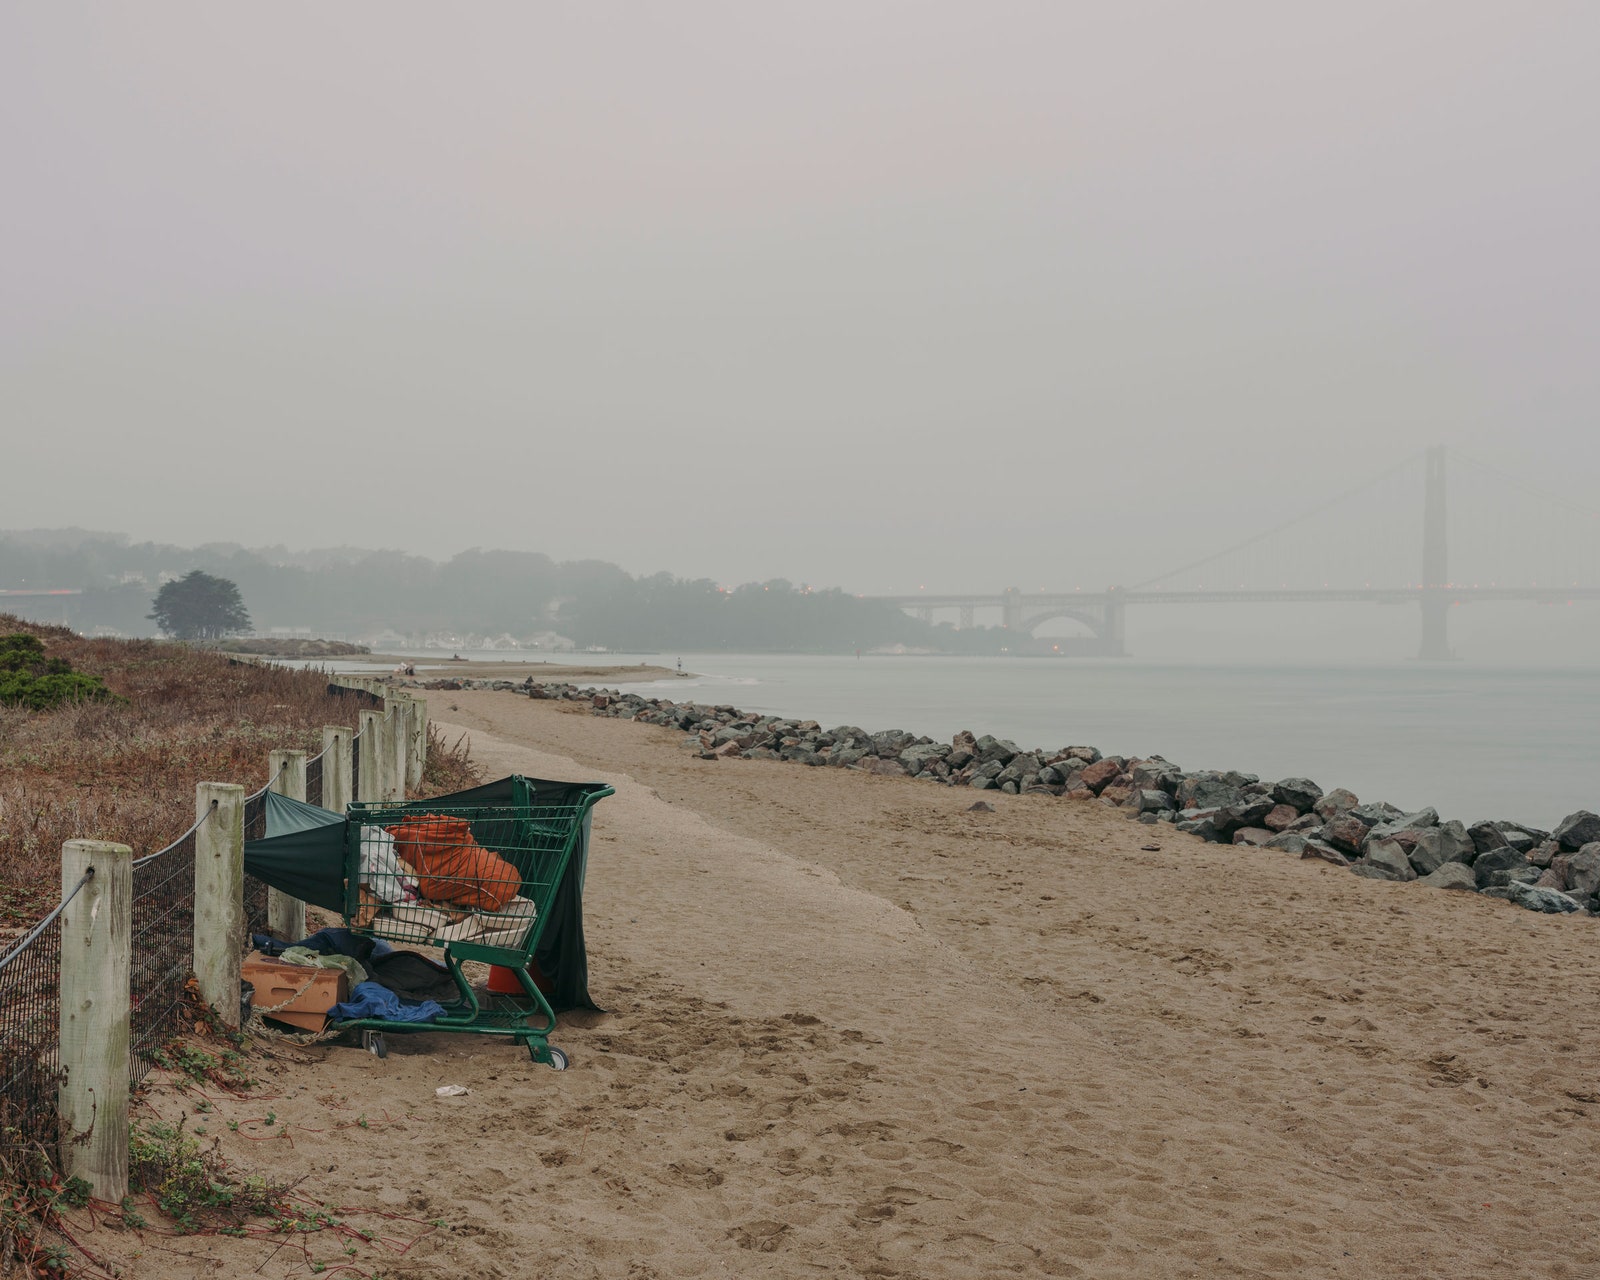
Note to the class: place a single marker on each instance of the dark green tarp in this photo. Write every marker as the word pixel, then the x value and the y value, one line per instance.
pixel 303 854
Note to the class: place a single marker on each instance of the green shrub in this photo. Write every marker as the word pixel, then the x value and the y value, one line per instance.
pixel 30 680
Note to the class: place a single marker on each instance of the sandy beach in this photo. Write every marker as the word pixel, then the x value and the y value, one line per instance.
pixel 855 1029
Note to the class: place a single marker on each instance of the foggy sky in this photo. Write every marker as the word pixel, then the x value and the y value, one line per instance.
pixel 863 294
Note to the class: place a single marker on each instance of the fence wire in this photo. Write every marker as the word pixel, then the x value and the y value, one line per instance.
pixel 30 1045
pixel 314 780
pixel 163 947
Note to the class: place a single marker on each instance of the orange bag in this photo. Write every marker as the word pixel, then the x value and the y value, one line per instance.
pixel 453 867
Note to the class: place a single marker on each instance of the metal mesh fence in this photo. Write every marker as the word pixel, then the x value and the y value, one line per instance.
pixel 30 1031
pixel 314 781
pixel 163 947
pixel 255 891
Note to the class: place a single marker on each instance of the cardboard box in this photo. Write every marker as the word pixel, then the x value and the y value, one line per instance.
pixel 305 994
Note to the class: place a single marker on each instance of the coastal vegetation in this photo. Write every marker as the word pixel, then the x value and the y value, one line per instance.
pixel 124 767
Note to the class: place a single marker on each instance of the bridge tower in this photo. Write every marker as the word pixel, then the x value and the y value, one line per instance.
pixel 1435 563
pixel 1011 609
pixel 1114 637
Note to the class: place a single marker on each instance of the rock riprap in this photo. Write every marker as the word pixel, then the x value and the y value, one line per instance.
pixel 1551 872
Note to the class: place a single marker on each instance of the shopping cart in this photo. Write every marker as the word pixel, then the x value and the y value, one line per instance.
pixel 485 880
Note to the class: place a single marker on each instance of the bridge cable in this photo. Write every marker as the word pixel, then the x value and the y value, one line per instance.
pixel 1287 524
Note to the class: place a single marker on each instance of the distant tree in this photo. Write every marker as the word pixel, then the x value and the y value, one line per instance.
pixel 200 607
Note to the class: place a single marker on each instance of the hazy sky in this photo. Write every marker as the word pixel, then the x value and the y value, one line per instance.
pixel 867 294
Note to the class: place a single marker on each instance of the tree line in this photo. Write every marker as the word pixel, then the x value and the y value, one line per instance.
pixel 357 593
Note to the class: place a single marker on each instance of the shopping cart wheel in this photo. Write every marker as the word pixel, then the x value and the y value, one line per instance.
pixel 555 1057
pixel 372 1042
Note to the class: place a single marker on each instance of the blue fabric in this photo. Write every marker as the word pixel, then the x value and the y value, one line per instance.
pixel 374 1000
pixel 326 942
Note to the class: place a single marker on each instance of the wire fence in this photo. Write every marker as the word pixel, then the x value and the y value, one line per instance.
pixel 30 1042
pixel 162 963
pixel 163 947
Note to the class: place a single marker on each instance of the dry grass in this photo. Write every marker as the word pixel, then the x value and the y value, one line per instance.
pixel 127 771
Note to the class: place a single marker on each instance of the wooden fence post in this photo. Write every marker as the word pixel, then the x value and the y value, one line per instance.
pixel 219 896
pixel 286 915
pixel 96 1025
pixel 371 787
pixel 397 715
pixel 335 768
pixel 419 742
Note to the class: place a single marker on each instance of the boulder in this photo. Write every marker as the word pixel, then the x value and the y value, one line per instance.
pixel 1422 820
pixel 1089 755
pixel 991 748
pixel 1334 803
pixel 1287 842
pixel 1379 813
pixel 1202 827
pixel 1450 875
pixel 1425 849
pixel 1388 855
pixel 880 765
pixel 1010 788
pixel 1155 774
pixel 1280 817
pixel 1325 852
pixel 1486 836
pixel 980 783
pixel 1583 871
pixel 917 758
pixel 1457 844
pixel 1148 800
pixel 1305 823
pixel 1116 795
pixel 1052 776
pixel 1377 871
pixel 960 757
pixel 1503 858
pixel 1346 833
pixel 1021 767
pixel 1249 812
pixel 1544 853
pixel 1098 775
pixel 1519 839
pixel 1301 794
pixel 1550 901
pixel 1254 836
pixel 1578 829
pixel 1207 791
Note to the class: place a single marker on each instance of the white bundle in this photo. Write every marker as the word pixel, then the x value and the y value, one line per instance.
pixel 380 869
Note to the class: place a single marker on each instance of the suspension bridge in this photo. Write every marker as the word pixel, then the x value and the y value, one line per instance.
pixel 1472 534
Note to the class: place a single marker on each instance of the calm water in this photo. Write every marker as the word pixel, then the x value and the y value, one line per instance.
pixel 1474 742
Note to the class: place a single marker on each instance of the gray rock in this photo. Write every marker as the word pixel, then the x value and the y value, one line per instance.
pixel 1251 812
pixel 1486 836
pixel 1089 755
pixel 1287 842
pixel 1583 871
pixel 1381 812
pixel 991 748
pixel 1202 827
pixel 1305 823
pixel 1504 858
pixel 980 783
pixel 1019 769
pixel 1457 844
pixel 1497 891
pixel 842 756
pixel 1527 873
pixel 1450 875
pixel 1325 852
pixel 1389 855
pixel 1155 774
pixel 989 769
pixel 1301 794
pixel 1334 803
pixel 1150 801
pixel 1052 776
pixel 919 757
pixel 1377 871
pixel 1255 836
pixel 980 806
pixel 1207 791
pixel 1578 829
pixel 1010 788
pixel 1422 820
pixel 1550 901
pixel 1522 841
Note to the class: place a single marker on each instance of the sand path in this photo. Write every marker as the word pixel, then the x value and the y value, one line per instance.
pixel 857 1030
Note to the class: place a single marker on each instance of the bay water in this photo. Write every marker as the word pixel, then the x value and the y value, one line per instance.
pixel 1472 741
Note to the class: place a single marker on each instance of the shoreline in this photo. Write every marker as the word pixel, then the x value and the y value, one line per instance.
pixel 1547 871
